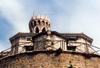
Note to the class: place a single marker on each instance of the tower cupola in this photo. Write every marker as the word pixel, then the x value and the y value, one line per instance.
pixel 39 24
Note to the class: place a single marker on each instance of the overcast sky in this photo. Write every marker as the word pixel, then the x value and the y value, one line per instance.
pixel 67 16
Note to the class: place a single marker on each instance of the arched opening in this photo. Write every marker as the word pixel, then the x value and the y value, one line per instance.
pixel 37 30
pixel 43 30
pixel 39 22
pixel 34 23
pixel 31 24
pixel 46 23
pixel 43 23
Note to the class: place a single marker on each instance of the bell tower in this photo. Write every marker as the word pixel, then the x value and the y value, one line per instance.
pixel 39 24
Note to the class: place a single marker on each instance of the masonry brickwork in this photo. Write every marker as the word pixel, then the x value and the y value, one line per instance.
pixel 45 59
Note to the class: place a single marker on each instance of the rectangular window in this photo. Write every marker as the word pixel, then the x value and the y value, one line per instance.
pixel 72 48
pixel 29 48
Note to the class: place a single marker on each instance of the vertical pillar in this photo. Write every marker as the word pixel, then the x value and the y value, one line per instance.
pixel 13 50
pixel 66 44
pixel 62 45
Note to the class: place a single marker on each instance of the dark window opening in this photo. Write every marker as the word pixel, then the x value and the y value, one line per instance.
pixel 34 23
pixel 29 48
pixel 37 30
pixel 43 30
pixel 43 22
pixel 47 23
pixel 52 43
pixel 72 48
pixel 39 22
pixel 48 40
pixel 28 39
pixel 31 24
pixel 73 39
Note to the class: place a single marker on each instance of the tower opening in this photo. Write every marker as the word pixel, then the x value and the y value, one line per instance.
pixel 43 23
pixel 37 30
pixel 34 23
pixel 46 23
pixel 43 30
pixel 39 22
pixel 31 24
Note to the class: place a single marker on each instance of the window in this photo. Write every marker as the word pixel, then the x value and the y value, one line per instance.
pixel 37 30
pixel 28 38
pixel 28 48
pixel 43 23
pixel 39 22
pixel 47 23
pixel 34 23
pixel 72 48
pixel 43 30
pixel 48 40
pixel 31 24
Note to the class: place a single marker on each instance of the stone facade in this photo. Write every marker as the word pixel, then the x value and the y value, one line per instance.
pixel 44 59
pixel 39 57
pixel 39 25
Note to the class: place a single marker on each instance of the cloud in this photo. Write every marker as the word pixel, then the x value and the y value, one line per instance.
pixel 13 11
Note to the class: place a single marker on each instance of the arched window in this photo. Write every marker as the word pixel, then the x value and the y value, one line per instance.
pixel 43 30
pixel 34 23
pixel 43 23
pixel 39 22
pixel 46 23
pixel 37 30
pixel 31 24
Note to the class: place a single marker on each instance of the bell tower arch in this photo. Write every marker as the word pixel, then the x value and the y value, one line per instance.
pixel 39 24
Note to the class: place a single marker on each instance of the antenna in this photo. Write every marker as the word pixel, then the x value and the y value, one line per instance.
pixel 33 12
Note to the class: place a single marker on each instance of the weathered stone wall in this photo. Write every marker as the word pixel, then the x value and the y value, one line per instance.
pixel 45 59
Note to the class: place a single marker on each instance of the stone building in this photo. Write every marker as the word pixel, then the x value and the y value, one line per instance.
pixel 35 40
pixel 39 48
